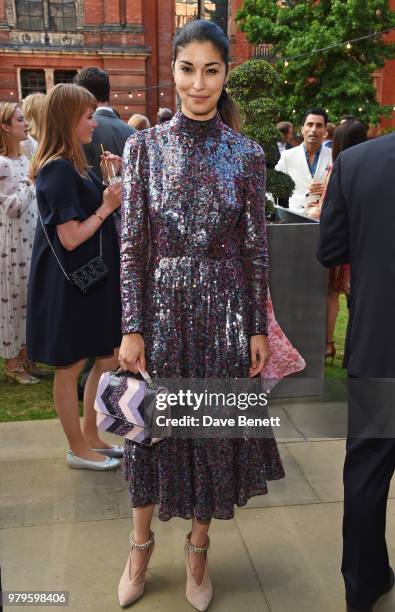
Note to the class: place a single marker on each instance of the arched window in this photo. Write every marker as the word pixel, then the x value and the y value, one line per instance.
pixel 51 15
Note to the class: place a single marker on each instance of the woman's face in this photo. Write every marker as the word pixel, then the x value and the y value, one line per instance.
pixel 199 73
pixel 17 129
pixel 85 126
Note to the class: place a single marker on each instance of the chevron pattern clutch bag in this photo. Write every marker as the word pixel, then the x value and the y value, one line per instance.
pixel 126 405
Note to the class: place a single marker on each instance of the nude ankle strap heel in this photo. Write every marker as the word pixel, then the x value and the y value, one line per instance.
pixel 198 595
pixel 130 589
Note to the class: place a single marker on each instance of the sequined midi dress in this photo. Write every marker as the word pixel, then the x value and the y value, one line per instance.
pixel 194 284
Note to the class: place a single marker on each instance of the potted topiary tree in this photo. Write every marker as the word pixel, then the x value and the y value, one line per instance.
pixel 298 283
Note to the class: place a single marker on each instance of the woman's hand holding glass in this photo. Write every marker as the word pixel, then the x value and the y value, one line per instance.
pixel 259 354
pixel 112 197
pixel 132 353
pixel 111 166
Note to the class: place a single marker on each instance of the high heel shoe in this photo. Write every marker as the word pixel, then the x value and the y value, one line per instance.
pixel 198 595
pixel 331 353
pixel 130 589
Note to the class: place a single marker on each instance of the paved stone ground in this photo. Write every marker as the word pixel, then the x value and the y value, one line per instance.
pixel 66 529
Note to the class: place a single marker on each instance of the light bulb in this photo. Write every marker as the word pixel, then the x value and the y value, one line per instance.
pixel 349 45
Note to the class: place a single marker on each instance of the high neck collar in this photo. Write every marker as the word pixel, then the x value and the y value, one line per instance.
pixel 198 129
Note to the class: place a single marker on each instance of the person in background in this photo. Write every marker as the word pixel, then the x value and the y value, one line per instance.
pixel 111 132
pixel 32 109
pixel 330 130
pixel 347 134
pixel 286 130
pixel 296 140
pixel 307 163
pixel 17 226
pixel 76 225
pixel 164 114
pixel 139 122
pixel 357 228
pixel 345 118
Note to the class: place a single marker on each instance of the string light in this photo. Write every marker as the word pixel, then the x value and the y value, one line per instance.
pixel 11 93
pixel 360 110
pixel 286 63
pixel 286 82
pixel 126 107
pixel 115 95
pixel 348 46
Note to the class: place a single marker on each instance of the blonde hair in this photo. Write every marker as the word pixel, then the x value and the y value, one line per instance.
pixel 64 106
pixel 32 109
pixel 7 109
pixel 139 122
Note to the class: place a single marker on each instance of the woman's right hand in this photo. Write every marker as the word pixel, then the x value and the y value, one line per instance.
pixel 112 196
pixel 132 353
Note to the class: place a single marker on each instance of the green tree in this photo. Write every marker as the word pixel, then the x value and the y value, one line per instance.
pixel 338 79
pixel 252 85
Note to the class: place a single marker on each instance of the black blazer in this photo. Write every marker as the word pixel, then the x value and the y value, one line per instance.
pixel 112 133
pixel 358 226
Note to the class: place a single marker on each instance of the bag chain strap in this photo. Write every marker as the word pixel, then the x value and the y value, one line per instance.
pixel 54 252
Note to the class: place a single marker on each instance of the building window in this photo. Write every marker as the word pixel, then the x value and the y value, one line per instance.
pixel 30 14
pixel 51 15
pixel 62 16
pixel 32 81
pixel 64 76
pixel 216 10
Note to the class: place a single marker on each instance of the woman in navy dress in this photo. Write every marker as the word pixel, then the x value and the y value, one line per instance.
pixel 194 291
pixel 64 327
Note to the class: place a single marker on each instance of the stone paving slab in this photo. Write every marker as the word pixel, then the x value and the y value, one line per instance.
pixel 87 559
pixel 321 463
pixel 296 552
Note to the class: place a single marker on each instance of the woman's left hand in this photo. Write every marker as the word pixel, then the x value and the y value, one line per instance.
pixel 259 353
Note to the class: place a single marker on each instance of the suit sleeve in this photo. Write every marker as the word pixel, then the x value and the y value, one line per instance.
pixel 334 240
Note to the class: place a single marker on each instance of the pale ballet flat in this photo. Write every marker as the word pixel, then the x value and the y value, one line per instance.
pixel 114 451
pixel 198 595
pixel 78 462
pixel 130 589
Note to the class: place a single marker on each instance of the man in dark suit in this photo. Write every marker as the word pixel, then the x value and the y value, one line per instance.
pixel 111 132
pixel 358 226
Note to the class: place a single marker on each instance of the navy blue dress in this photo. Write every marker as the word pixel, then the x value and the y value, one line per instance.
pixel 63 325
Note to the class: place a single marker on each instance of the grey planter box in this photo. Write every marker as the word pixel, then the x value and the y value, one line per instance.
pixel 298 286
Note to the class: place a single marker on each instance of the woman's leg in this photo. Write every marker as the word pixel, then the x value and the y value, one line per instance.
pixel 66 403
pixel 199 537
pixel 332 312
pixel 89 427
pixel 142 518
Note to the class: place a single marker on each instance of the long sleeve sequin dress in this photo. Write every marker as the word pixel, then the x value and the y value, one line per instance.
pixel 194 283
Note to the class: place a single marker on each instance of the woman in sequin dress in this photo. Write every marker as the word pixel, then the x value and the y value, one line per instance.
pixel 194 291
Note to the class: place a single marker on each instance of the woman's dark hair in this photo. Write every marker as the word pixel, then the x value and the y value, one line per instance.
pixel 348 134
pixel 200 30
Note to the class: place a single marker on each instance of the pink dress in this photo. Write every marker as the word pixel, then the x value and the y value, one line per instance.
pixel 284 359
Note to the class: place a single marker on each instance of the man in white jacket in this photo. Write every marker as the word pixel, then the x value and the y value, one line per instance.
pixel 307 163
